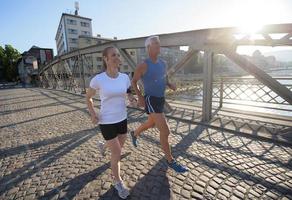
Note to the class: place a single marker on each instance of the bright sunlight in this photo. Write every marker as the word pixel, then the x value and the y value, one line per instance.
pixel 251 15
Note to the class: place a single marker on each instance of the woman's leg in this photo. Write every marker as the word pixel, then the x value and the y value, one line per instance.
pixel 122 138
pixel 115 148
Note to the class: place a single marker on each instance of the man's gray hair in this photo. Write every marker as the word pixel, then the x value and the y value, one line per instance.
pixel 149 40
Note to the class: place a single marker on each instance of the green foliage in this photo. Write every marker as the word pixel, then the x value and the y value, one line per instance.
pixel 8 59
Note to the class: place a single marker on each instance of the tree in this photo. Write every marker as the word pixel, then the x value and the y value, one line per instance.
pixel 8 59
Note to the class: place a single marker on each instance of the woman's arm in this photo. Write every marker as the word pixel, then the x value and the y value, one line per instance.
pixel 89 94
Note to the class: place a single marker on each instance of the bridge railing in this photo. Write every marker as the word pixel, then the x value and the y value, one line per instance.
pixel 235 92
pixel 72 71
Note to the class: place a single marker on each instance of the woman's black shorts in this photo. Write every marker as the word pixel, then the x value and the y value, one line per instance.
pixel 110 131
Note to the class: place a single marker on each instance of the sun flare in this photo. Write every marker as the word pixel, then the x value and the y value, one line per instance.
pixel 251 15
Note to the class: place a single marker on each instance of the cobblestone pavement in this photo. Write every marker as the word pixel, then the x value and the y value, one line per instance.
pixel 48 150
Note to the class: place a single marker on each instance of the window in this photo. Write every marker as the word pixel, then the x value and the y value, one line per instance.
pixel 88 41
pixel 85 24
pixel 98 59
pixel 73 40
pixel 72 48
pixel 71 21
pixel 72 31
pixel 85 33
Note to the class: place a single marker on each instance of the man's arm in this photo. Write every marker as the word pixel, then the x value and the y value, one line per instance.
pixel 170 85
pixel 140 70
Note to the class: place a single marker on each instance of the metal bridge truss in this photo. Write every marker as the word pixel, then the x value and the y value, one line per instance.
pixel 73 70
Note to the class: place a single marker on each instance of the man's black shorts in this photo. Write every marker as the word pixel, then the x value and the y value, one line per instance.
pixel 154 104
pixel 110 131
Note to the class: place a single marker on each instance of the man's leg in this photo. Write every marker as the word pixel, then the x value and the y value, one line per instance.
pixel 160 122
pixel 163 128
pixel 148 124
pixel 134 134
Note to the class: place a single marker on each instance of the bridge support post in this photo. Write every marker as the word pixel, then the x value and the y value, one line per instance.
pixel 82 73
pixel 221 93
pixel 207 86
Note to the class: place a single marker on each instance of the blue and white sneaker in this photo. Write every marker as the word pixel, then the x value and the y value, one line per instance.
pixel 177 167
pixel 134 139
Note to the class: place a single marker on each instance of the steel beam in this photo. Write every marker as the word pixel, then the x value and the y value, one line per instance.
pixel 128 58
pixel 197 39
pixel 178 66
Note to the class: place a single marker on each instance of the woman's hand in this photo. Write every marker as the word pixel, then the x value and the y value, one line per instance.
pixel 132 100
pixel 94 118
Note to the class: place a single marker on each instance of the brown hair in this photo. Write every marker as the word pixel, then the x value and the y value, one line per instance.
pixel 105 54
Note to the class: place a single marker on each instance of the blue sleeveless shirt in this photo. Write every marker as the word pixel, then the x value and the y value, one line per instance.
pixel 154 79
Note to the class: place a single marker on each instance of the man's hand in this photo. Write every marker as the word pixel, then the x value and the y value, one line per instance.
pixel 141 102
pixel 172 86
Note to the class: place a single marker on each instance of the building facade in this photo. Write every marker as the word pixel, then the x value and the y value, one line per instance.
pixel 75 32
pixel 69 29
pixel 31 61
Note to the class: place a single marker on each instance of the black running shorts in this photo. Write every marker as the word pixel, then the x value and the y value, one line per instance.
pixel 110 131
pixel 154 104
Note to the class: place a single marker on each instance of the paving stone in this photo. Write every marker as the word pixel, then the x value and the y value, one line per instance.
pixel 239 194
pixel 272 195
pixel 221 196
pixel 255 193
pixel 211 190
pixel 13 191
pixel 196 195
pixel 186 193
pixel 29 197
pixel 235 198
pixel 198 189
pixel 214 184
pixel 224 192
pixel 187 187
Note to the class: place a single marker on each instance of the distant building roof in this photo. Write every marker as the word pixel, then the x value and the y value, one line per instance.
pixel 63 14
pixel 93 37
pixel 35 47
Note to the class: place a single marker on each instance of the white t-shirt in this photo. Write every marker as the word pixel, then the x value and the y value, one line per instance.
pixel 112 92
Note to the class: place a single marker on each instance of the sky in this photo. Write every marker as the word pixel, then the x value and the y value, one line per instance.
pixel 24 23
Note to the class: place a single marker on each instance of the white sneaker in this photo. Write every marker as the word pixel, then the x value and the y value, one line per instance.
pixel 101 148
pixel 122 190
